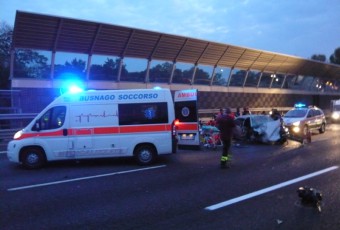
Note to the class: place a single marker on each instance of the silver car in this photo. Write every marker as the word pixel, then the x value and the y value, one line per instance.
pixel 302 119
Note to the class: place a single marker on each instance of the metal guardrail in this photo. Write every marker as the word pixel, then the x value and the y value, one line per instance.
pixel 11 123
pixel 205 114
pixel 258 109
pixel 15 120
pixel 17 116
pixel 5 136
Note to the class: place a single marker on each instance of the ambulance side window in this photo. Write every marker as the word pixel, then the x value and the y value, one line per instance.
pixel 54 118
pixel 58 117
pixel 143 113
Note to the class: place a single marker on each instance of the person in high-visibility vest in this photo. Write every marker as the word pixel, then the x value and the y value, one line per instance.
pixel 226 124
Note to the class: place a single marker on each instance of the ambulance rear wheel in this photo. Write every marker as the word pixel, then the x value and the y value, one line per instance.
pixel 145 154
pixel 33 157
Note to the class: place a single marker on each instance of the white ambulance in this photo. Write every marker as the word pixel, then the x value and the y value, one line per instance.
pixel 98 124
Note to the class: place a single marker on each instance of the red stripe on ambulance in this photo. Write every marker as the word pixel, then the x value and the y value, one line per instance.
pixel 101 131
pixel 187 126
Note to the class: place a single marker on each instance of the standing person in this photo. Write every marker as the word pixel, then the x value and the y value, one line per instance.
pixel 226 124
pixel 246 111
pixel 238 112
pixel 275 114
pixel 220 113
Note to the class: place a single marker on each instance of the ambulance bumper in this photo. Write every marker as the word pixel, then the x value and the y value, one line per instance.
pixel 13 151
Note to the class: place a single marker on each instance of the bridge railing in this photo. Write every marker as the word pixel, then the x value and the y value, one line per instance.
pixel 10 124
pixel 207 114
pixel 5 136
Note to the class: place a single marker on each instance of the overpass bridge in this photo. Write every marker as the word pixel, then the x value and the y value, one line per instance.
pixel 108 56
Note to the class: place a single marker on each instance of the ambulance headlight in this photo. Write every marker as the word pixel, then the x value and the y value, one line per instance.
pixel 17 135
pixel 335 116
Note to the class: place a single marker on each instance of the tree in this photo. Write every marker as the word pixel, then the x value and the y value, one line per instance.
pixel 319 57
pixel 178 76
pixel 187 75
pixel 108 71
pixel 75 69
pixel 219 80
pixel 202 77
pixel 31 64
pixel 335 57
pixel 161 72
pixel 111 67
pixel 27 63
pixel 6 33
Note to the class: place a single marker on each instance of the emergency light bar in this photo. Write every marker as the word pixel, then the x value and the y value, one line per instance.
pixel 75 89
pixel 300 105
pixel 72 86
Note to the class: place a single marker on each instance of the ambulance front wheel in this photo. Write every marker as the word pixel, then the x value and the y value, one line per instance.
pixel 145 154
pixel 32 157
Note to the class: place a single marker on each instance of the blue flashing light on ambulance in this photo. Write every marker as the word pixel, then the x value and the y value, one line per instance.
pixel 136 123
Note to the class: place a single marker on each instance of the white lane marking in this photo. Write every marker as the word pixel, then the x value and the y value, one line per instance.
pixel 269 189
pixel 82 178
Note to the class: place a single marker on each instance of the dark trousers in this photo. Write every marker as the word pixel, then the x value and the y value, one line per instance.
pixel 225 151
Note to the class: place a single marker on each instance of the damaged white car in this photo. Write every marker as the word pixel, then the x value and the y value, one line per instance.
pixel 260 128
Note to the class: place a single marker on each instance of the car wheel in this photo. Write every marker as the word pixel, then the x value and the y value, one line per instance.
pixel 145 154
pixel 33 158
pixel 322 128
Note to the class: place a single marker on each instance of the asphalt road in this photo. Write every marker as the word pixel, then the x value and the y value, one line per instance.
pixel 186 190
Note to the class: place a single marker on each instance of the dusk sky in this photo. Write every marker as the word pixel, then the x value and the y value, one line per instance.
pixel 293 27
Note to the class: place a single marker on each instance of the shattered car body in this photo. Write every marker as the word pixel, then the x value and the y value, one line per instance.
pixel 259 128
